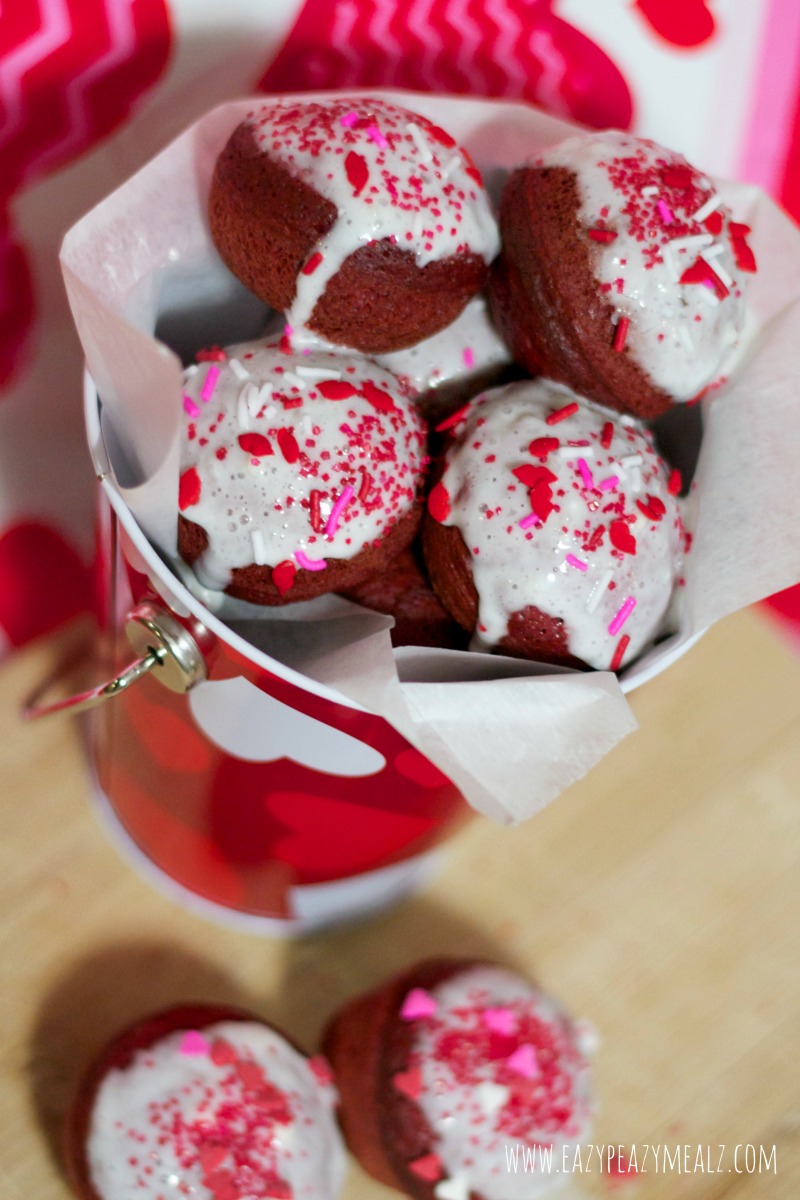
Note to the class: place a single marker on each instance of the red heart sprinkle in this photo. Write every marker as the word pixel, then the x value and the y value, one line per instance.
pixel 357 171
pixel 531 475
pixel 621 537
pixel 336 389
pixel 377 397
pixel 189 489
pixel 409 1082
pixel 288 445
pixel 429 1167
pixel 255 444
pixel 541 447
pixel 222 1052
pixel 439 502
pixel 283 576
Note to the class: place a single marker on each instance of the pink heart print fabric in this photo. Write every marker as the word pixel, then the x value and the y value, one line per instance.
pixel 89 89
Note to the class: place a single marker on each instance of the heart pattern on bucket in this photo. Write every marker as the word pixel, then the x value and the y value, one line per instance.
pixel 252 725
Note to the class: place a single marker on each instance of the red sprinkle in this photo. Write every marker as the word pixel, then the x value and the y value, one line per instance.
pixel 336 389
pixel 409 1082
pixel 288 445
pixel 541 447
pixel 619 653
pixel 439 502
pixel 745 259
pixel 602 235
pixel 532 475
pixel 607 436
pixel 429 1167
pixel 621 537
pixel 713 223
pixel 378 398
pixel 652 507
pixel 357 171
pixel 366 486
pixel 283 576
pixel 675 482
pixel 702 272
pixel 189 489
pixel 255 443
pixel 312 264
pixel 212 354
pixel 561 414
pixel 677 177
pixel 317 523
pixel 621 333
pixel 452 420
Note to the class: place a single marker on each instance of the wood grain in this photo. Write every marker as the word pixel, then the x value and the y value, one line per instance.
pixel 658 898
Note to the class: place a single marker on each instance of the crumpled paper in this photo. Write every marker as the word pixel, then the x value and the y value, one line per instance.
pixel 143 276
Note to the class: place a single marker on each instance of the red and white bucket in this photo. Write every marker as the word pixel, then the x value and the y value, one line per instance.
pixel 257 796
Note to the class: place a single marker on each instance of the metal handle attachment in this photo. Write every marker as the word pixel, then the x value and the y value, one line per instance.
pixel 163 646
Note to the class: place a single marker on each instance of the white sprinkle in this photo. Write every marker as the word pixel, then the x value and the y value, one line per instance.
pixel 259 551
pixel 242 412
pixel 308 425
pixel 270 412
pixel 713 252
pixel 685 338
pixel 636 480
pixel 264 395
pixel 293 380
pixel 239 371
pixel 575 451
pixel 650 191
pixel 631 460
pixel 319 373
pixel 708 295
pixel 191 370
pixel 450 167
pixel 695 240
pixel 454 1187
pixel 587 1037
pixel 705 210
pixel 424 150
pixel 597 591
pixel 491 1096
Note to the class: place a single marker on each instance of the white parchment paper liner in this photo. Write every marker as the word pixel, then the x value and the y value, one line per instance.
pixel 510 734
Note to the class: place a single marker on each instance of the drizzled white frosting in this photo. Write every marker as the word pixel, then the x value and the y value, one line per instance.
pixel 502 1071
pixel 665 215
pixel 599 527
pixel 470 346
pixel 313 455
pixel 391 175
pixel 232 1107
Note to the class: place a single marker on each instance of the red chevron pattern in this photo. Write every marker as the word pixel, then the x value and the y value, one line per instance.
pixel 518 49
pixel 70 71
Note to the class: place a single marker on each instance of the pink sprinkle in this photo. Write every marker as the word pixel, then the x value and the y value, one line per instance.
pixel 665 212
pixel 211 382
pixel 576 562
pixel 193 1042
pixel 309 564
pixel 417 1004
pixel 469 357
pixel 377 136
pixel 586 474
pixel 348 119
pixel 625 610
pixel 332 523
pixel 499 1020
pixel 190 406
pixel 523 1061
pixel 527 521
pixel 606 485
pixel 287 329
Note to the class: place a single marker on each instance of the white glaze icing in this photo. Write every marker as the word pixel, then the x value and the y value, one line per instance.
pixel 391 174
pixel 267 502
pixel 682 334
pixel 501 1070
pixel 467 348
pixel 514 566
pixel 175 1123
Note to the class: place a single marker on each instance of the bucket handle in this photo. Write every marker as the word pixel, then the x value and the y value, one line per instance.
pixel 163 646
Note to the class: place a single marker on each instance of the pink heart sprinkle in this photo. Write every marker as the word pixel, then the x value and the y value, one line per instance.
pixel 429 1167
pixel 499 1020
pixel 523 1061
pixel 417 1004
pixel 193 1042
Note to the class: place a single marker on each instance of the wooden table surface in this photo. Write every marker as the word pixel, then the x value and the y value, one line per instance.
pixel 658 898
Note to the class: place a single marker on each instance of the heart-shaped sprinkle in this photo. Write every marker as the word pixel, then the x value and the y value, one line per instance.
pixel 321 1068
pixel 193 1042
pixel 429 1167
pixel 418 1004
pixel 499 1020
pixel 409 1082
pixel 523 1061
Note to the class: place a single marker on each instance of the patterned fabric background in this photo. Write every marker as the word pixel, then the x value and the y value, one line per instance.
pixel 90 89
